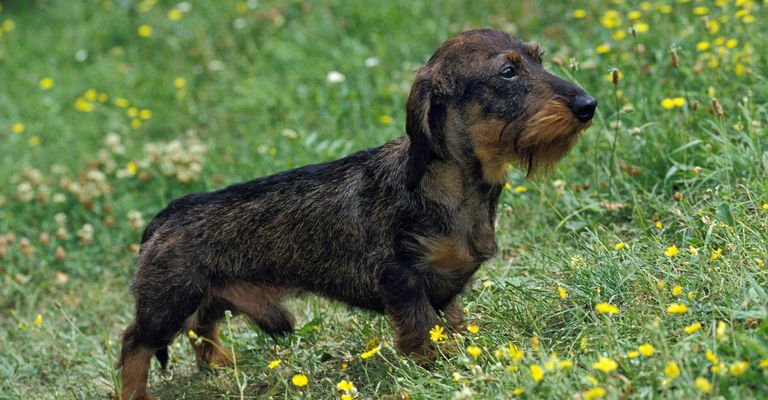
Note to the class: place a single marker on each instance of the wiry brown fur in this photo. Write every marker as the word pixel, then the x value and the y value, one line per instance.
pixel 398 229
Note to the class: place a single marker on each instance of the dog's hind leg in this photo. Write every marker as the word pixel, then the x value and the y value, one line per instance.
pixel 259 302
pixel 165 298
pixel 204 323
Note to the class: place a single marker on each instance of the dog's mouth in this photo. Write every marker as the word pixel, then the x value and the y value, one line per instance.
pixel 547 136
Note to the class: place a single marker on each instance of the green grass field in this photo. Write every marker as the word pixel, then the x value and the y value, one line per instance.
pixel 636 270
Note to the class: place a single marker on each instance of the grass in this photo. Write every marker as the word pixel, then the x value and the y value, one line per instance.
pixel 662 166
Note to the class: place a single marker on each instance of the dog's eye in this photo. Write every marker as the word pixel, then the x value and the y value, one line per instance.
pixel 508 72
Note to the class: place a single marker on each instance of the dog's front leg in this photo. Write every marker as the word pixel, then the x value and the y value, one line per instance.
pixel 408 307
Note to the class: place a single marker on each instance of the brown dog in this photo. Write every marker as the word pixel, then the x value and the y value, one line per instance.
pixel 398 229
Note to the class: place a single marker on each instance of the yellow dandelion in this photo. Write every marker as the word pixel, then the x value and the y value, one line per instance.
pixel 514 352
pixel 703 384
pixel 473 328
pixel 618 35
pixel 606 308
pixel 677 308
pixel 678 101
pixel 38 320
pixel 299 380
pixel 659 224
pixel 273 364
pixel 174 14
pixel 703 46
pixel 603 48
pixel 436 334
pixel 594 393
pixel 694 251
pixel 661 284
pixel 633 354
pixel 692 328
pixel 700 10
pixel 345 385
pixel 605 364
pixel 18 128
pixel 731 43
pixel 191 334
pixel 711 357
pixel 8 25
pixel 677 290
pixel 642 27
pixel 646 350
pixel 763 363
pixel 521 189
pixel 716 254
pixel 537 373
pixel 135 123
pixel 346 396
pixel 666 104
pixel 83 105
pixel 122 102
pixel 132 112
pixel 633 15
pixel 739 367
pixel 144 31
pixel 370 353
pixel 386 120
pixel 562 292
pixel 103 98
pixel 518 391
pixel 46 83
pixel 91 95
pixel 619 246
pixel 579 13
pixel 672 370
pixel 535 342
pixel 671 251
pixel 565 364
pixel 145 114
pixel 474 351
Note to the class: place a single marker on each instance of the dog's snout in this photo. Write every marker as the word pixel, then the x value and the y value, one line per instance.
pixel 584 107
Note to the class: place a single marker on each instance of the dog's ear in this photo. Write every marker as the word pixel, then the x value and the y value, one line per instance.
pixel 424 121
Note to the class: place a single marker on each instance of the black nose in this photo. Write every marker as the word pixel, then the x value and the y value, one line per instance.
pixel 584 108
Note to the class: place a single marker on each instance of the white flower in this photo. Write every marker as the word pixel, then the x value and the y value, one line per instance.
pixel 371 62
pixel 335 77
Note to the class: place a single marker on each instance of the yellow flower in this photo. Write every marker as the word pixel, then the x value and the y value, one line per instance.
pixel 345 385
pixel 603 48
pixel 273 364
pixel 611 19
pixel 34 140
pixel 594 393
pixel 633 354
pixel 722 329
pixel 703 384
pixel 135 123
pixel 739 367
pixel 671 251
pixel 672 370
pixel 716 254
pixel 633 15
pixel 17 128
pixel 521 189
pixel 507 186
pixel 731 43
pixel 694 251
pixel 191 334
pixel 38 320
pixel 534 342
pixel 121 102
pixel 473 328
pixel 666 104
pixel 346 396
pixel 132 112
pixel 677 308
pixel 46 83
pixel 646 350
pixel 474 351
pixel 179 82
pixel 299 380
pixel 677 290
pixel 692 328
pixel 132 168
pixel 661 284
pixel 436 334
pixel 370 353
pixel 658 224
pixel 764 363
pixel 565 364
pixel 518 391
pixel 537 373
pixel 765 206
pixel 642 27
pixel 83 105
pixel 702 46
pixel 619 246
pixel 605 364
pixel 711 357
pixel 618 35
pixel 103 97
pixel 678 101
pixel 514 352
pixel 579 13
pixel 8 25
pixel 606 308
pixel 562 292
pixel 174 14
pixel 700 10
pixel 145 31
pixel 145 114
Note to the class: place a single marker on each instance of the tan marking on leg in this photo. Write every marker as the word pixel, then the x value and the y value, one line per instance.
pixel 251 299
pixel 136 373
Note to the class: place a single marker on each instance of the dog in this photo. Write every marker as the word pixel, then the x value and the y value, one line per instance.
pixel 398 229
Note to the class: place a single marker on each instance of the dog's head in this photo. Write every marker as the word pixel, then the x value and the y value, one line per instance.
pixel 484 94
